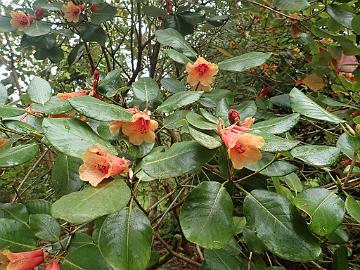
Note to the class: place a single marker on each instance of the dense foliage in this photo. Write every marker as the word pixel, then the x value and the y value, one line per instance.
pixel 179 134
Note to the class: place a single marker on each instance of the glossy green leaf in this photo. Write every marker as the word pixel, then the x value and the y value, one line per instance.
pixel 275 143
pixel 145 89
pixel 18 155
pixel 178 57
pixel 206 217
pixel 277 168
pixel 99 110
pixel 91 203
pixel 349 145
pixel 199 121
pixel 353 208
pixel 180 158
pixel 19 126
pixel 293 5
pixel 45 227
pixel 355 23
pixel 85 257
pixel 204 139
pixel 172 85
pixel 125 240
pixel 280 227
pixel 171 37
pixel 325 209
pixel 3 94
pixel 65 175
pixel 244 61
pixel 305 106
pixel 39 90
pixel 175 120
pixel 15 236
pixel 54 106
pixel 103 13
pixel 93 33
pixel 38 28
pixel 340 258
pixel 340 14
pixel 38 206
pixel 293 182
pixel 278 125
pixel 15 211
pixel 220 259
pixel 10 111
pixel 179 100
pixel 316 155
pixel 218 20
pixel 246 109
pixel 72 137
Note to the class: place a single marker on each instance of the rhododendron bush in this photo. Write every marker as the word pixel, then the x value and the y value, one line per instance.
pixel 179 135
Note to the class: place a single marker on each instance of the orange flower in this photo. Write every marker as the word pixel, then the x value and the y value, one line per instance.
pixel 99 165
pixel 54 265
pixel 201 74
pixel 20 20
pixel 65 96
pixel 22 260
pixel 140 129
pixel 72 12
pixel 243 148
pixel 3 142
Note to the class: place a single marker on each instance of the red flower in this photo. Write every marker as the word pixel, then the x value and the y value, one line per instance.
pixel 99 165
pixel 21 260
pixel 54 265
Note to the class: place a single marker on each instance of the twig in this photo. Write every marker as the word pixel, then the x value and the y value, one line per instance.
pixel 350 169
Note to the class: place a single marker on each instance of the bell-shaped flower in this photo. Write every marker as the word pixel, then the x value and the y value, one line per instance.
pixel 54 265
pixel 72 12
pixel 67 95
pixel 21 260
pixel 20 20
pixel 100 164
pixel 201 74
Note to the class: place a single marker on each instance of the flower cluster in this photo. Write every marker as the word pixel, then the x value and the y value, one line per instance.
pixel 242 147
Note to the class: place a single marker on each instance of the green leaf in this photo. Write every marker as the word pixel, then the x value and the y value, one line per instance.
pixel 340 258
pixel 278 125
pixel 252 241
pixel 18 155
pixel 276 144
pixel 205 140
pixel 91 203
pixel 93 33
pixel 19 126
pixel 293 182
pixel 75 54
pixel 38 206
pixel 293 5
pixel 10 111
pixel 280 227
pixel 3 94
pixel 125 240
pixel 206 217
pixel 72 137
pixel 277 168
pixel 316 155
pixel 340 14
pixel 152 11
pixel 177 57
pixel 54 106
pixel 65 175
pixel 355 23
pixel 246 109
pixel 220 259
pixel 348 145
pixel 199 122
pixel 171 37
pixel 180 158
pixel 218 20
pixel 45 227
pixel 5 25
pixel 353 208
pixel 112 83
pixel 244 61
pixel 15 236
pixel 38 28
pixel 85 257
pixel 179 100
pixel 103 13
pixel 15 211
pixel 99 110
pixel 172 85
pixel 39 90
pixel 325 209
pixel 145 89
pixel 305 106
pixel 175 120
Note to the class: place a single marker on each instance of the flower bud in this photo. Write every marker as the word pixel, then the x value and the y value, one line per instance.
pixel 39 14
pixel 234 116
pixel 94 8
